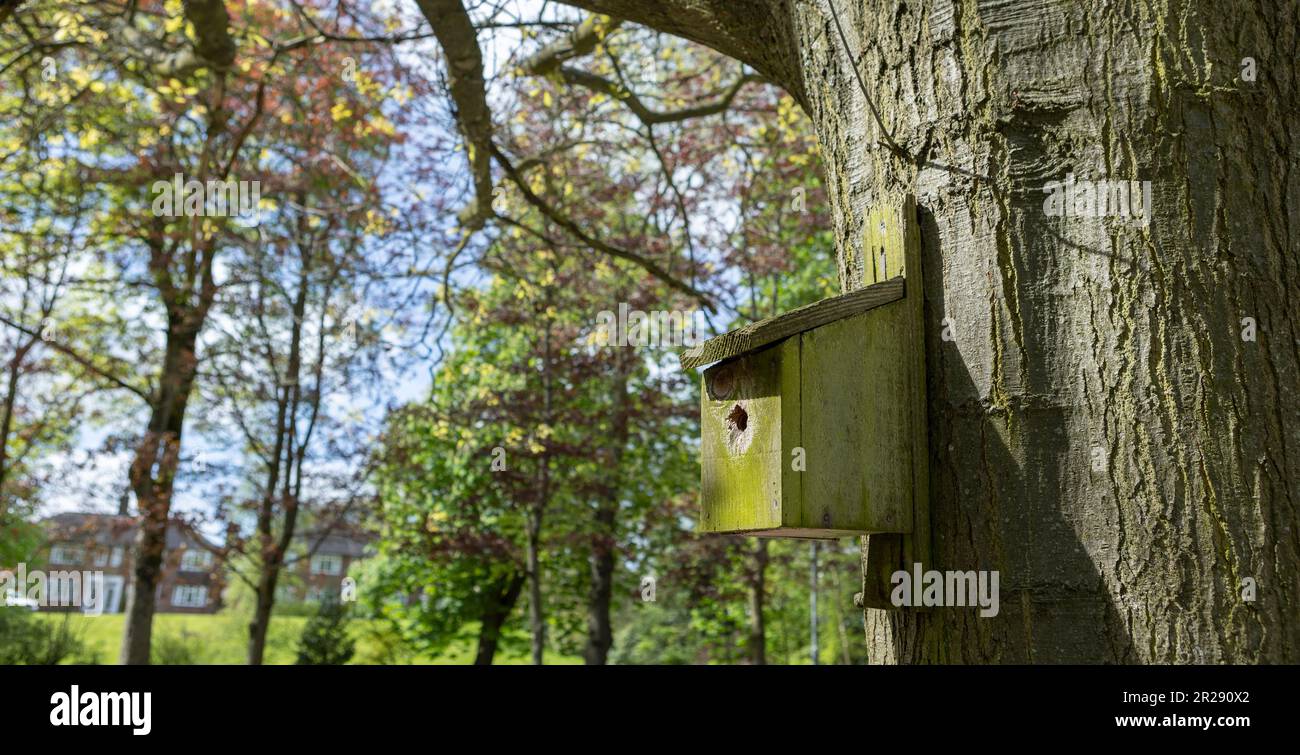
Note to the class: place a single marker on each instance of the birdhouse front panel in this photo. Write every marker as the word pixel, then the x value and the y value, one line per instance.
pixel 750 415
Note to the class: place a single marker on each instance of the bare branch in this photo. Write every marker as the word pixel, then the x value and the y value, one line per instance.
pixel 459 40
pixel 581 41
pixel 756 32
pixel 79 359
pixel 555 216
pixel 647 116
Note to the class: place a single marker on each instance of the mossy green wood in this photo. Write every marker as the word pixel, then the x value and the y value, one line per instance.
pixel 859 459
pixel 842 391
pixel 749 409
pixel 892 227
pixel 804 438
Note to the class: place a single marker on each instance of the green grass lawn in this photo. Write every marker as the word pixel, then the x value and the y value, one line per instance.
pixel 222 638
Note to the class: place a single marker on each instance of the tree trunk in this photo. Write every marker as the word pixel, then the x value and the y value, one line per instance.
pixel 536 619
pixel 7 413
pixel 533 519
pixel 494 618
pixel 141 598
pixel 152 476
pixel 286 460
pixel 261 622
pixel 600 632
pixel 757 643
pixel 1100 432
pixel 1106 431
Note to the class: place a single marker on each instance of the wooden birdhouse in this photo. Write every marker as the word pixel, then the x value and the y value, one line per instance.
pixel 813 422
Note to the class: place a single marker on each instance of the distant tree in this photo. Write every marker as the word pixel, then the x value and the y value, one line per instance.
pixel 139 93
pixel 325 639
pixel 303 323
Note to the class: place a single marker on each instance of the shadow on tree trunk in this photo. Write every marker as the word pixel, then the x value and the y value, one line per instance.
pixel 1053 604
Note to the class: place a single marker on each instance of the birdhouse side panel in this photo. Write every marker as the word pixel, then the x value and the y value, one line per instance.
pixel 855 424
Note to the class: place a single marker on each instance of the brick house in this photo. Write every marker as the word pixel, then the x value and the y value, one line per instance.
pixel 191 580
pixel 320 563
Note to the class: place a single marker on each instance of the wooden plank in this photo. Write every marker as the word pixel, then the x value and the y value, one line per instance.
pixel 860 454
pixel 894 228
pixel 792 480
pixel 801 533
pixel 916 547
pixel 764 332
pixel 883 254
pixel 748 427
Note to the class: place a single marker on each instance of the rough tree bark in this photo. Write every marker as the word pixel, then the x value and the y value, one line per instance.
pixel 152 475
pixel 1101 433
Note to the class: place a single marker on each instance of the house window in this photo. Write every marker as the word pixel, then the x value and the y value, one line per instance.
pixel 112 557
pixel 65 554
pixel 327 564
pixel 196 560
pixel 190 596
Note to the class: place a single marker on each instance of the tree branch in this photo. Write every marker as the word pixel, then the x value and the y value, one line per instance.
pixel 459 40
pixel 581 41
pixel 213 47
pixel 555 216
pixel 211 28
pixel 79 359
pixel 756 32
pixel 647 116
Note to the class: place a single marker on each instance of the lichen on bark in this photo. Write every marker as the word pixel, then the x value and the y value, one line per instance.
pixel 1100 431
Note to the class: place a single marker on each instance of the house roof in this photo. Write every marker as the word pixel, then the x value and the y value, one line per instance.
pixel 102 529
pixel 115 529
pixel 336 542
